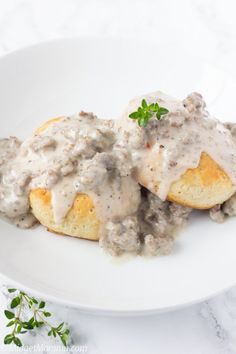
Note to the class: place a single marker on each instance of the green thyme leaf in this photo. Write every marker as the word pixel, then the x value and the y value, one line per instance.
pixel 31 321
pixel 134 115
pixel 144 103
pixel 11 323
pixel 8 339
pixel 15 302
pixel 9 314
pixel 142 122
pixel 47 314
pixel 41 305
pixel 28 325
pixel 163 110
pixel 158 115
pixel 17 341
pixel 18 328
pixel 64 339
pixel 11 290
pixel 60 326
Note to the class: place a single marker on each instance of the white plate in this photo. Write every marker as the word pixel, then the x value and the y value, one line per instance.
pixel 97 75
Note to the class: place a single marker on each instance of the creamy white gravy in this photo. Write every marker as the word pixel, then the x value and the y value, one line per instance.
pixel 77 154
pixel 165 149
pixel 102 158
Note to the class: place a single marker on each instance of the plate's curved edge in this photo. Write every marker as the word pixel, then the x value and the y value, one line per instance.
pixel 98 311
pixel 88 37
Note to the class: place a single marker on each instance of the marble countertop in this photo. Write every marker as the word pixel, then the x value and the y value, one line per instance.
pixel 207 26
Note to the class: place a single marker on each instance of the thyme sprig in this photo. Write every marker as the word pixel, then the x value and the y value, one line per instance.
pixel 146 111
pixel 37 319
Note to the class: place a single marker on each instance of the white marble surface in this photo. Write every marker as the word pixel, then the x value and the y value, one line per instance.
pixel 207 26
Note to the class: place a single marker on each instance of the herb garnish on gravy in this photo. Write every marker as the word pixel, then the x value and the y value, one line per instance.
pixel 146 111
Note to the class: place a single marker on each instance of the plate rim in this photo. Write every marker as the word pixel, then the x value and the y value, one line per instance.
pixel 94 309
